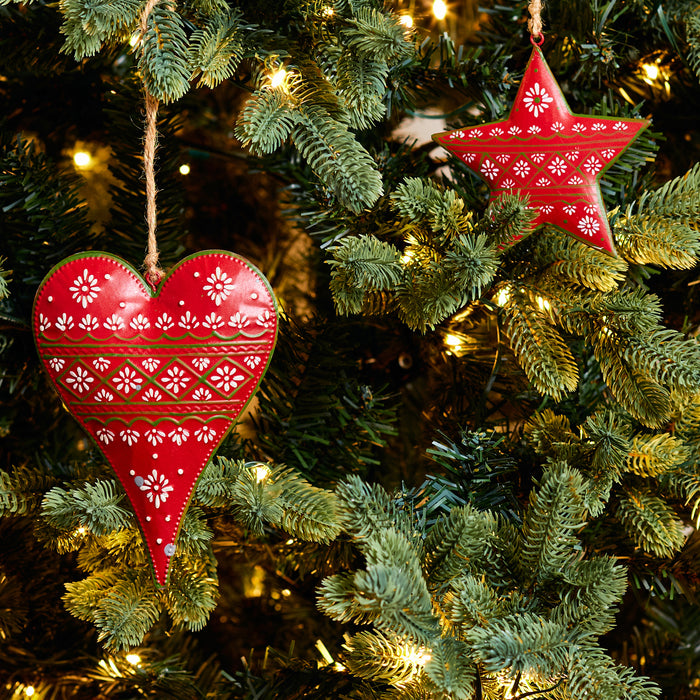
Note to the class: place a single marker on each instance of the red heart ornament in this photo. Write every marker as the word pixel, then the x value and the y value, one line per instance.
pixel 156 377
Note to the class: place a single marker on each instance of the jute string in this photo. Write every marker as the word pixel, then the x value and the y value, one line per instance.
pixel 534 24
pixel 154 273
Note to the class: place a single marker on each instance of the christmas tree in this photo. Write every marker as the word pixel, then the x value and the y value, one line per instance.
pixel 471 469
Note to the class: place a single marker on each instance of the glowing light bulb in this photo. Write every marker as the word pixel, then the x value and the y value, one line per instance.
pixel 185 169
pixel 452 340
pixel 133 659
pixel 503 296
pixel 543 304
pixel 328 12
pixel 652 70
pixel 407 257
pixel 82 159
pixel 134 39
pixel 406 21
pixel 278 78
pixel 286 592
pixel 439 9
pixel 29 691
pixel 261 472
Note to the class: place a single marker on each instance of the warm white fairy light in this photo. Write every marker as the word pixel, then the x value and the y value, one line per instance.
pixel 278 78
pixel 503 296
pixel 82 159
pixel 134 39
pixel 439 9
pixel 133 659
pixel 406 21
pixel 185 169
pixel 453 341
pixel 29 691
pixel 652 70
pixel 328 12
pixel 543 304
pixel 261 472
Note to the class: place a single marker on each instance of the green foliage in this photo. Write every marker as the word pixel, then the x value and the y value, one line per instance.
pixel 316 414
pixel 163 60
pixel 485 599
pixel 216 50
pixel 94 506
pixel 538 346
pixel 22 490
pixel 443 267
pixel 651 522
pixel 556 507
pixel 661 227
pixel 652 470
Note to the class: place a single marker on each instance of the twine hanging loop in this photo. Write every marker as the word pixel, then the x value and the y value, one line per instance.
pixel 154 273
pixel 534 24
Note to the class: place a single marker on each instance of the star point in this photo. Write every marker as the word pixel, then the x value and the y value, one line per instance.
pixel 547 152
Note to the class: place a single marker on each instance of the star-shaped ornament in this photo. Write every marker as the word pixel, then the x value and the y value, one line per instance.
pixel 545 151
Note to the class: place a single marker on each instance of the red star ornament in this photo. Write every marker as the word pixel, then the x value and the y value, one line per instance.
pixel 545 151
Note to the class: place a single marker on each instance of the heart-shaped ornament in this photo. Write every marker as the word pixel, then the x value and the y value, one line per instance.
pixel 156 377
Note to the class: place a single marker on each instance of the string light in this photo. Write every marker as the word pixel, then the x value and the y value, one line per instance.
pixel 651 70
pixel 278 78
pixel 185 169
pixel 452 340
pixel 328 12
pixel 261 472
pixel 543 304
pixel 29 691
pixel 406 21
pixel 133 659
pixel 503 296
pixel 82 159
pixel 134 39
pixel 439 9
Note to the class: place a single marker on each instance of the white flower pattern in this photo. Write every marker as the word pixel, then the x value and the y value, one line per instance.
pixel 64 322
pixel 220 286
pixel 205 434
pixel 104 396
pixel 89 323
pixel 129 436
pixel 85 288
pixel 105 435
pixel 151 394
pixel 522 168
pixel 588 226
pixel 226 377
pixel 175 379
pixel 201 363
pixel 537 99
pixel 489 168
pixel 44 323
pixel 238 320
pixel 154 436
pixel 156 486
pixel 592 165
pixel 558 166
pixel 57 363
pixel 140 323
pixel 127 379
pixel 164 322
pixel 101 364
pixel 179 435
pixel 150 364
pixel 201 394
pixel 213 321
pixel 188 321
pixel 114 323
pixel 79 379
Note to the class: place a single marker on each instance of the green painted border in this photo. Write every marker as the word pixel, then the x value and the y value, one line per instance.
pixel 154 293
